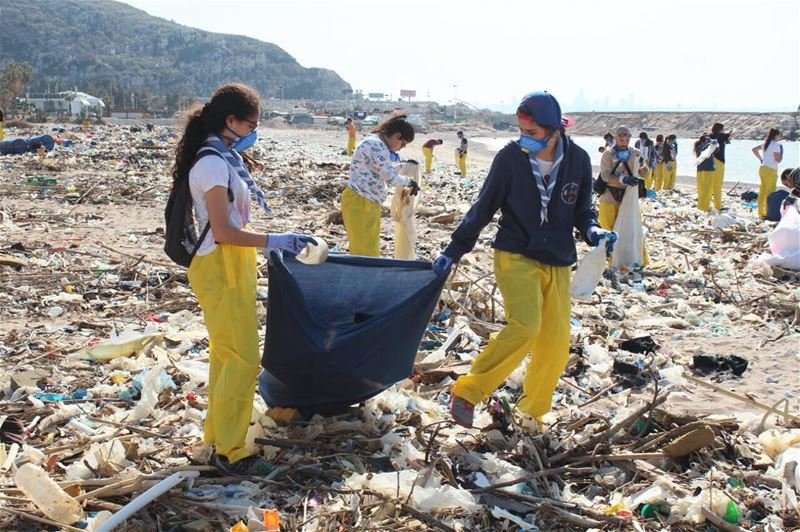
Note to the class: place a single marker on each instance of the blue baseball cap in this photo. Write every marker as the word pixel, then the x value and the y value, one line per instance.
pixel 542 108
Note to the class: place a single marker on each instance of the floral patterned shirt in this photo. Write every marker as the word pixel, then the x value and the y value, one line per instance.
pixel 372 169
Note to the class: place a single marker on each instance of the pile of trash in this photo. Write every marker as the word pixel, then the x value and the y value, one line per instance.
pixel 667 416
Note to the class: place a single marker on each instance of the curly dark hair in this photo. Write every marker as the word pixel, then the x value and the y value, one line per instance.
pixel 237 99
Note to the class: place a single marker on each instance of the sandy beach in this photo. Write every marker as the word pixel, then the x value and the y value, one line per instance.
pixel 90 262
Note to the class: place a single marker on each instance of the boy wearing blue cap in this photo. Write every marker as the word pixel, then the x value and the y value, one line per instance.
pixel 542 185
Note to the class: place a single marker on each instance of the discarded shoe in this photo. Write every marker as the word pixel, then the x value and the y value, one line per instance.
pixel 252 466
pixel 462 411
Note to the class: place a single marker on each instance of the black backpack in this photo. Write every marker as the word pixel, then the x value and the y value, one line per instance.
pixel 181 242
pixel 599 185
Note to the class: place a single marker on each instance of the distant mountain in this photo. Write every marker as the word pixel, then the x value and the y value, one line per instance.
pixel 110 49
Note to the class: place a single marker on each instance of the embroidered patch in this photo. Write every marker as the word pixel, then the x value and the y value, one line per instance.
pixel 569 194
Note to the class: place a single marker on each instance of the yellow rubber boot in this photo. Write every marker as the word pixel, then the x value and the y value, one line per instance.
pixel 224 282
pixel 362 221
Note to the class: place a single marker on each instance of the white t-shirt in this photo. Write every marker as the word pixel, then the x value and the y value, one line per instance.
pixel 545 167
pixel 769 154
pixel 209 172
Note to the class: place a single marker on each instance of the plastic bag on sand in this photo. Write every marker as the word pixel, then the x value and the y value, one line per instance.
pixel 499 513
pixel 628 250
pixel 432 496
pixel 784 242
pixel 691 508
pixel 120 346
pixel 787 466
pixel 589 272
pixel 774 442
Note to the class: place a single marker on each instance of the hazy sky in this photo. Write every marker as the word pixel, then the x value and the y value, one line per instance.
pixel 592 55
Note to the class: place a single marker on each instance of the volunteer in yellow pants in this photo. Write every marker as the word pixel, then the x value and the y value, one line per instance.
pixel 607 214
pixel 351 136
pixel 723 139
pixel 769 181
pixel 706 173
pixel 372 171
pixel 222 269
pixel 770 154
pixel 648 177
pixel 362 222
pixel 537 309
pixel 533 253
pixel 224 282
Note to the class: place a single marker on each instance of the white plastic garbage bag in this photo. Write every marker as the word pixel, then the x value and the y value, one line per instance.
pixel 589 272
pixel 403 209
pixel 784 242
pixel 628 226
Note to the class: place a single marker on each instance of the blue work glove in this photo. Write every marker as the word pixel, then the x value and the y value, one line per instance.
pixel 441 266
pixel 291 242
pixel 631 181
pixel 595 235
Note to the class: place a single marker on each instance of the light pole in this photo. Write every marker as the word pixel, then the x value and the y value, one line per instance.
pixel 455 103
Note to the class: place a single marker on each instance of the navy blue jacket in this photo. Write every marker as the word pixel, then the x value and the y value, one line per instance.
pixel 511 187
pixel 708 164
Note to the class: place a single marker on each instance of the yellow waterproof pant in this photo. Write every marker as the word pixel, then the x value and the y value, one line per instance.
pixel 537 307
pixel 351 145
pixel 607 216
pixel 670 172
pixel 362 221
pixel 705 182
pixel 769 180
pixel 648 178
pixel 428 154
pixel 661 172
pixel 224 282
pixel 461 162
pixel 716 183
pixel 2 131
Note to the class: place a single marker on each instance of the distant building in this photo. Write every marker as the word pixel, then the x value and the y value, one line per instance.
pixel 72 103
pixel 127 113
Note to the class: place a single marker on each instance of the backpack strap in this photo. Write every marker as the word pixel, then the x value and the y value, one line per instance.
pixel 205 152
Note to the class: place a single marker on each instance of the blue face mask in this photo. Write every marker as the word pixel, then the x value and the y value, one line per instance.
pixel 240 144
pixel 532 145
pixel 394 156
pixel 623 155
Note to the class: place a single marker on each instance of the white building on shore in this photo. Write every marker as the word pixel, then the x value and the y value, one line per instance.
pixel 72 103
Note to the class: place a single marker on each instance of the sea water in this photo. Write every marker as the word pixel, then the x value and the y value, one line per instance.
pixel 740 163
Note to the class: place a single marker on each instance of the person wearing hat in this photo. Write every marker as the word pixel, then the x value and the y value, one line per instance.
pixel 461 154
pixel 427 151
pixel 542 185
pixel 718 176
pixel 619 168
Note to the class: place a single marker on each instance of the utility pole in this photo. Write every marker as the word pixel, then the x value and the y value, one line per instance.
pixel 455 103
